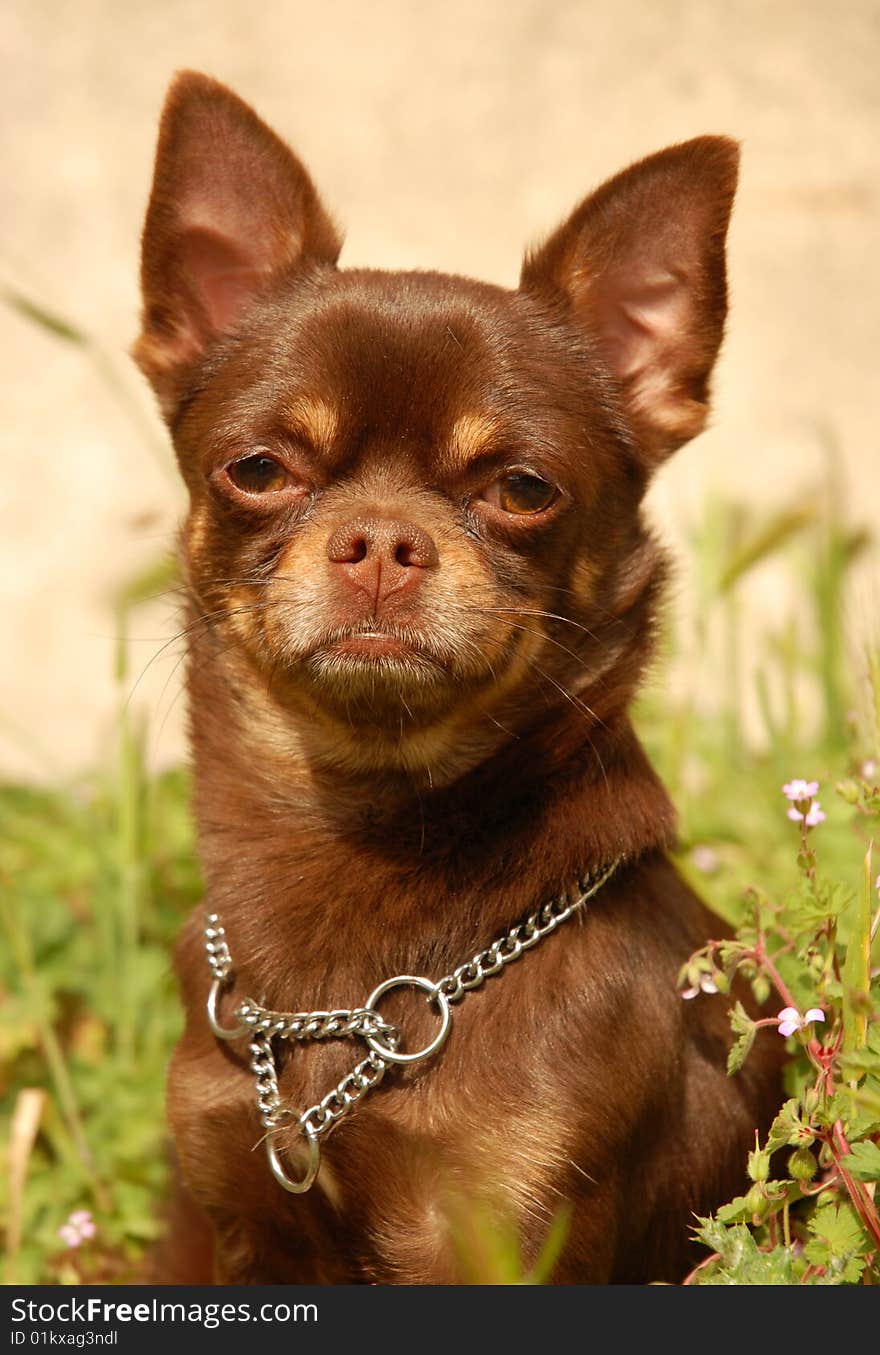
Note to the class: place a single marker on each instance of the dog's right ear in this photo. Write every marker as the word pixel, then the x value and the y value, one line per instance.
pixel 231 209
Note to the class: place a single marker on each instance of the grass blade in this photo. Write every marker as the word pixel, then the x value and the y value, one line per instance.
pixel 857 966
pixel 39 315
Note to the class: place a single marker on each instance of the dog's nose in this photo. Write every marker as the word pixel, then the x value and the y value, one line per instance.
pixel 380 556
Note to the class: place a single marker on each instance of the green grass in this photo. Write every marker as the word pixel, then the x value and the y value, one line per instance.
pixel 95 880
pixel 96 877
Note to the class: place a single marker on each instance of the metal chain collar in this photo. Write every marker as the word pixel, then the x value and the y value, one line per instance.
pixel 365 1023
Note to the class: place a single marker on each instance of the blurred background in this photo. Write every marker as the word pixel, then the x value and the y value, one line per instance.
pixel 442 136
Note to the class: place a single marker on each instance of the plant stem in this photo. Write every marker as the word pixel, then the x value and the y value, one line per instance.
pixel 862 1202
pixel 759 954
pixel 689 1279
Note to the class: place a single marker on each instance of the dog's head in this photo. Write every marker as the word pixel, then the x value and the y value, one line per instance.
pixel 415 498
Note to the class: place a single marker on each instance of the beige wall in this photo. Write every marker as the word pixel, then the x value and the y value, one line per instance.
pixel 443 135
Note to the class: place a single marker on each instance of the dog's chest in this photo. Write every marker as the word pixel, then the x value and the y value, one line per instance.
pixel 480 1130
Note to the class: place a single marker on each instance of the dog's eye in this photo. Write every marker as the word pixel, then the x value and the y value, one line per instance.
pixel 258 474
pixel 521 493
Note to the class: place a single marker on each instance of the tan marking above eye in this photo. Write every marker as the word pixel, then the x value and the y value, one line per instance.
pixel 312 419
pixel 471 435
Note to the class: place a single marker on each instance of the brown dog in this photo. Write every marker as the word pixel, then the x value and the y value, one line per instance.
pixel 421 597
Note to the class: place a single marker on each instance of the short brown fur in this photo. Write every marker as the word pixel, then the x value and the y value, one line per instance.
pixel 408 701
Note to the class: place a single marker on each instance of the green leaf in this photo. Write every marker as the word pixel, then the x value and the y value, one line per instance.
pixel 713 1233
pixel 787 1128
pixel 810 907
pixel 837 1269
pixel 744 1028
pixel 740 1260
pixel 832 1108
pixel 864 1161
pixel 862 1126
pixel 837 1226
pixel 737 1211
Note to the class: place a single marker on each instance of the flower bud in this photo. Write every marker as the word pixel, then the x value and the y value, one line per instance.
pixel 802 1165
pixel 761 989
pixel 756 1202
pixel 759 1165
pixel 693 973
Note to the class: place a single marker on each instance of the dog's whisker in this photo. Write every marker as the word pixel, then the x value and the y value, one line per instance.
pixel 529 659
pixel 542 635
pixel 524 611
pixel 204 622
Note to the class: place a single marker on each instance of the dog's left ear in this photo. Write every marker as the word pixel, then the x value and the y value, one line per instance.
pixel 640 264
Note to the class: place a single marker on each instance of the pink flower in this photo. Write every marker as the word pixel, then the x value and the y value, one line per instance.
pixel 800 790
pixel 78 1228
pixel 791 1020
pixel 813 817
pixel 705 985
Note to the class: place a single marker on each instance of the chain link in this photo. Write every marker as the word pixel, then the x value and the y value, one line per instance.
pixel 219 959
pixel 341 1024
pixel 511 945
pixel 362 1079
pixel 263 1026
pixel 272 1114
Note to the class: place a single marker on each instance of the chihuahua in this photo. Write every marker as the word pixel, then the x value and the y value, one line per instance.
pixel 441 957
